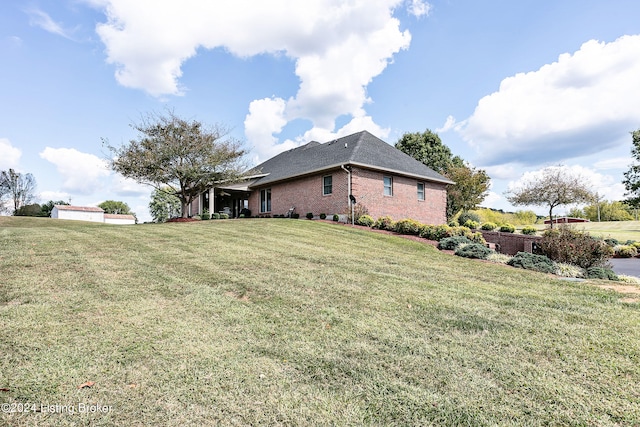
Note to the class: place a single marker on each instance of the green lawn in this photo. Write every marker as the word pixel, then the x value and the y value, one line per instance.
pixel 297 322
pixel 621 230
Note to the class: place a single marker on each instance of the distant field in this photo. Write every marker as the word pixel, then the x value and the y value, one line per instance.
pixel 297 322
pixel 621 230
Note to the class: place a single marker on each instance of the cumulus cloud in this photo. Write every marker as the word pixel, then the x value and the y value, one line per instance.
pixel 83 173
pixel 9 155
pixel 338 48
pixel 584 103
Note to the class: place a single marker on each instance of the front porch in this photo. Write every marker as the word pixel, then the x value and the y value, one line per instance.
pixel 232 200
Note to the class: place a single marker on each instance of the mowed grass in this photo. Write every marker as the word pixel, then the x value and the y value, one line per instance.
pixel 621 230
pixel 297 322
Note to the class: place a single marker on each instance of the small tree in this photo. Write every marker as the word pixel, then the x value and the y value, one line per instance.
pixel 632 176
pixel 554 186
pixel 20 188
pixel 163 205
pixel 471 185
pixel 183 156
pixel 115 207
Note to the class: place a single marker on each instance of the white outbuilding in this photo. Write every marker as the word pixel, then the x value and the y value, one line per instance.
pixel 119 219
pixel 80 213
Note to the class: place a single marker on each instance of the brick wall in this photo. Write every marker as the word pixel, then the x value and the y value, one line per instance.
pixel 510 243
pixel 306 194
pixel 368 188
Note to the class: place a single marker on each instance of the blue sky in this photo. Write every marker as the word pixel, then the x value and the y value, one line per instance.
pixel 510 86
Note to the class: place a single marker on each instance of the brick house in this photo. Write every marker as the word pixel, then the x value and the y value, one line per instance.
pixel 326 178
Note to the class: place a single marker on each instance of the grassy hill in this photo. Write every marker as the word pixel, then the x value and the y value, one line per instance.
pixel 296 322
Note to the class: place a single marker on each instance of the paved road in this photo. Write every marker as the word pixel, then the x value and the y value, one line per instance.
pixel 626 266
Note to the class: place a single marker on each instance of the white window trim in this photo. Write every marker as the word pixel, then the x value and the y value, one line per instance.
pixel 384 191
pixel 324 186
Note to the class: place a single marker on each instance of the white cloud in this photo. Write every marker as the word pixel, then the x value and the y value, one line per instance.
pixel 129 188
pixel 41 19
pixel 582 104
pixel 419 8
pixel 613 163
pixel 338 48
pixel 83 173
pixel 9 155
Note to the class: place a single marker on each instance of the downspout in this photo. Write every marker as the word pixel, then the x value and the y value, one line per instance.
pixel 349 196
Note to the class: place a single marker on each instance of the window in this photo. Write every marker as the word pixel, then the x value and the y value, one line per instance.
pixel 421 191
pixel 265 200
pixel 327 185
pixel 388 186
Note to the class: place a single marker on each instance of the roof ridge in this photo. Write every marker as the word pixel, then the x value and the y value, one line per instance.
pixel 357 144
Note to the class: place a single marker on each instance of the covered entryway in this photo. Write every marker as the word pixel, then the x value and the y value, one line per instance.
pixel 228 199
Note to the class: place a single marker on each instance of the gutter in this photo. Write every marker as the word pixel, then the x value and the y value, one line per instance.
pixel 351 198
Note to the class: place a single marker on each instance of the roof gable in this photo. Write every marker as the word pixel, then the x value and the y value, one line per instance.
pixel 360 149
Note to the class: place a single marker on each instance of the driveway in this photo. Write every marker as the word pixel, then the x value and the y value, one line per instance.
pixel 626 266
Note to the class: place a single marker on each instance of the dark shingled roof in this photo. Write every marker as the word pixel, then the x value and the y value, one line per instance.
pixel 360 149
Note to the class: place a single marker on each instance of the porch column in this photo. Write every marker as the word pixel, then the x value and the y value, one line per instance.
pixel 212 200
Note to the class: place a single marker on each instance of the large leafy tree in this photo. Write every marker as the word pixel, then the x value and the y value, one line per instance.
pixel 471 184
pixel 632 176
pixel 163 205
pixel 470 189
pixel 184 156
pixel 18 188
pixel 115 207
pixel 553 186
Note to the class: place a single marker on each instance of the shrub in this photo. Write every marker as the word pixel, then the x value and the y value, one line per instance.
pixel 336 217
pixel 384 223
pixel 488 226
pixel 434 232
pixel 365 220
pixel 601 273
pixel 215 215
pixel 471 224
pixel 477 237
pixel 358 210
pixel 636 245
pixel 473 250
pixel 295 215
pixel 532 262
pixel 323 216
pixel 466 216
pixel 568 270
pixel 529 230
pixel 205 215
pixel 624 251
pixel 224 216
pixel 611 242
pixel 570 246
pixel 450 243
pixel 407 226
pixel 507 228
pixel 309 215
